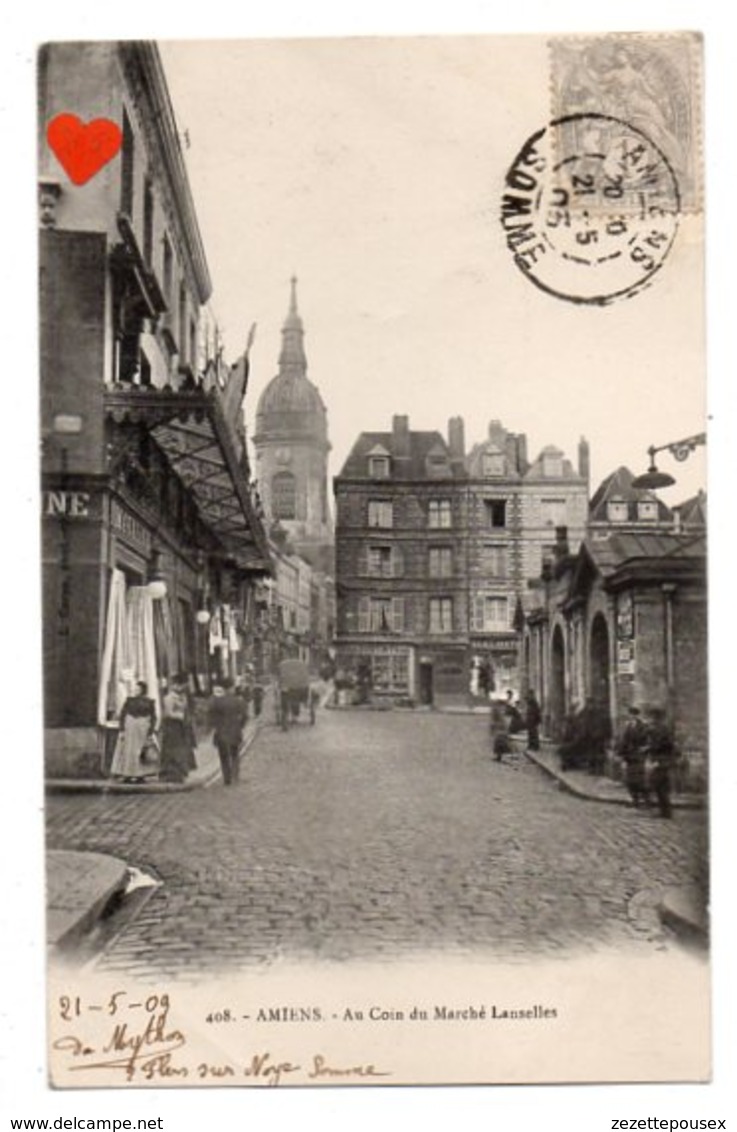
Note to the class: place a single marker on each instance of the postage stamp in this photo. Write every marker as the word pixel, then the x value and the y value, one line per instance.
pixel 653 82
pixel 590 208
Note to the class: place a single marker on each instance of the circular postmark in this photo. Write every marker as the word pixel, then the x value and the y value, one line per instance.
pixel 590 209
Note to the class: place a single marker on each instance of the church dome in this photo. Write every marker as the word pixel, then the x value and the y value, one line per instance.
pixel 290 403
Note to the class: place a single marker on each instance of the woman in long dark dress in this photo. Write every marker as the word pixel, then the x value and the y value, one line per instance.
pixel 137 725
pixel 177 736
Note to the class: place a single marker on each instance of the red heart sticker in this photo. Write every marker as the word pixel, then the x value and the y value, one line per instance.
pixel 81 149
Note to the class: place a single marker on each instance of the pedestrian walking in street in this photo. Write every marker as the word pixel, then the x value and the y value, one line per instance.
pixel 661 752
pixel 227 717
pixel 177 734
pixel 137 729
pixel 632 751
pixel 257 698
pixel 533 718
pixel 499 727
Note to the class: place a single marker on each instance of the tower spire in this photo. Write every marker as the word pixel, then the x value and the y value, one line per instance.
pixel 292 359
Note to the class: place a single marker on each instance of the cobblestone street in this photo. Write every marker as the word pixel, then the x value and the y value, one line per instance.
pixel 374 835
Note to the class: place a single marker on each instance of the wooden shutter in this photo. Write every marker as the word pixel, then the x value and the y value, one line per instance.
pixel 364 615
pixel 397 562
pixel 398 614
pixel 477 613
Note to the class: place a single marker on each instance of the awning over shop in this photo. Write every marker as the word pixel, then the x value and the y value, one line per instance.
pixel 191 430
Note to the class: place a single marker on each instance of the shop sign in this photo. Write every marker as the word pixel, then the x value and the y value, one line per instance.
pixel 66 504
pixel 129 527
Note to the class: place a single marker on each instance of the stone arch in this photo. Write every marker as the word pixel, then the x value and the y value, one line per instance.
pixel 557 691
pixel 599 663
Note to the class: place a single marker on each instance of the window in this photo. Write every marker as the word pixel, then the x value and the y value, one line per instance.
pixel 168 267
pixel 440 561
pixel 283 496
pixel 380 513
pixel 379 467
pixel 553 512
pixel 441 614
pixel 381 615
pixel 552 464
pixel 496 512
pixel 437 464
pixel 647 509
pixel 439 513
pixel 380 561
pixel 617 511
pixel 495 560
pixel 126 168
pixel 148 222
pixel 490 613
pixel 193 344
pixel 493 464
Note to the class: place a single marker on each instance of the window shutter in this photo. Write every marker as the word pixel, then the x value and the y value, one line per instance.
pixel 363 561
pixel 477 613
pixel 397 562
pixel 364 615
pixel 398 614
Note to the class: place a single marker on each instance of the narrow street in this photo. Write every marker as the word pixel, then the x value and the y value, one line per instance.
pixel 374 835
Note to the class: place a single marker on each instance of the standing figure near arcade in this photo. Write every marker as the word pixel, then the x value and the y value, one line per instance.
pixel 632 751
pixel 533 719
pixel 661 754
pixel 137 727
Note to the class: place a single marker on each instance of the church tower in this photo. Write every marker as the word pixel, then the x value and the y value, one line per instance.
pixel 291 445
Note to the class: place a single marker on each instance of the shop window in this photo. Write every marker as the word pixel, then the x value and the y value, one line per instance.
pixel 496 512
pixel 440 561
pixel 439 514
pixel 441 614
pixel 380 513
pixel 284 496
pixel 390 671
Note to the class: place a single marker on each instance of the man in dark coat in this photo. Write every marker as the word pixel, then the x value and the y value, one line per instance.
pixel 661 751
pixel 632 751
pixel 228 714
pixel 533 718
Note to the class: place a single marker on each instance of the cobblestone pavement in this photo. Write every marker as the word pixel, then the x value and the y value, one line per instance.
pixel 373 835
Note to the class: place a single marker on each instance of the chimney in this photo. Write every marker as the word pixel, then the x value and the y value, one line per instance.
pixel 400 437
pixel 456 439
pixel 584 459
pixel 522 461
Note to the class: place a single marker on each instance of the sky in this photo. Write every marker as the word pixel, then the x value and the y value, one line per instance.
pixel 372 169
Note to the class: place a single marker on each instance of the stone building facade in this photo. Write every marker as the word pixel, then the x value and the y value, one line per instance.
pixel 151 539
pixel 623 622
pixel 434 549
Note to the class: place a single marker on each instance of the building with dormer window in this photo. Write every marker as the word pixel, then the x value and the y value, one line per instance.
pixel 446 544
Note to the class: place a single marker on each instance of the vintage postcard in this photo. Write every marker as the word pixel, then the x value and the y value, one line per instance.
pixel 372 386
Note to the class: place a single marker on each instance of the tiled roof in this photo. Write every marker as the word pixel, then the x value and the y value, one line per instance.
pixel 421 444
pixel 618 485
